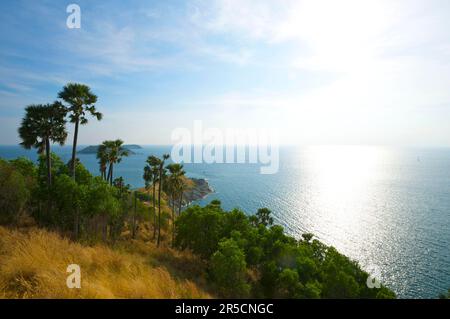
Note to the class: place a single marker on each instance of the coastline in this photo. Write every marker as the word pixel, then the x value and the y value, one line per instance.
pixel 198 191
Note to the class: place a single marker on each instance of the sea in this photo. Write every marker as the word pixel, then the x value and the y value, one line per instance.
pixel 386 207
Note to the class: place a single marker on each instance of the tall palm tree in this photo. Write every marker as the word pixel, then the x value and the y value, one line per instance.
pixel 154 163
pixel 81 102
pixel 102 159
pixel 114 154
pixel 181 188
pixel 175 187
pixel 170 187
pixel 42 125
pixel 161 173
pixel 148 179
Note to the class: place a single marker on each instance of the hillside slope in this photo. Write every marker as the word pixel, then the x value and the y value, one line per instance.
pixel 33 264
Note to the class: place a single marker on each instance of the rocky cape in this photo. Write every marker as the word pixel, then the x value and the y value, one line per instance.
pixel 199 189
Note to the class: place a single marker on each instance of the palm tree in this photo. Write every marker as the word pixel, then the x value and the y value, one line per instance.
pixel 148 179
pixel 161 173
pixel 153 164
pixel 181 188
pixel 42 125
pixel 81 102
pixel 175 187
pixel 102 159
pixel 114 154
pixel 170 187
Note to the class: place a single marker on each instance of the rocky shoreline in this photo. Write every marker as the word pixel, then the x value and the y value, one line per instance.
pixel 199 190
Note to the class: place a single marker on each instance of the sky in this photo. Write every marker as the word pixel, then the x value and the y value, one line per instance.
pixel 316 72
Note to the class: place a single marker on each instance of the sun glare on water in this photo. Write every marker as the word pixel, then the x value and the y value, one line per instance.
pixel 341 181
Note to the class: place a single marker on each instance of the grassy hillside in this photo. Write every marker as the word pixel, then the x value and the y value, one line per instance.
pixel 33 264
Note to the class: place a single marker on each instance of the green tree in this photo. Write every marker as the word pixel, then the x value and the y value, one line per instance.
pixel 262 217
pixel 41 126
pixel 69 197
pixel 25 166
pixel 288 284
pixel 14 193
pixel 161 175
pixel 200 230
pixel 81 102
pixel 114 152
pixel 102 204
pixel 150 177
pixel 102 157
pixel 229 270
pixel 175 187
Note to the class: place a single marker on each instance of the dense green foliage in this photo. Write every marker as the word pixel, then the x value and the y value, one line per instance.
pixel 87 206
pixel 228 269
pixel 248 256
pixel 14 193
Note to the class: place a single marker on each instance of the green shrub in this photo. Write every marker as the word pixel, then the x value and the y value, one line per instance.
pixel 14 193
pixel 228 270
pixel 280 266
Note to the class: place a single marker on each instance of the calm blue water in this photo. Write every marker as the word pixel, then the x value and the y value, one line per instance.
pixel 387 208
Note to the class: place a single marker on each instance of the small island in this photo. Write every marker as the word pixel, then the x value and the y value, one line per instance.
pixel 132 146
pixel 92 149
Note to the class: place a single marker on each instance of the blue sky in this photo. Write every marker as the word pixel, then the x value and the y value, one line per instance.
pixel 318 72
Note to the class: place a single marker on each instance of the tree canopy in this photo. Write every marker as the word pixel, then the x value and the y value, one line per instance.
pixel 257 259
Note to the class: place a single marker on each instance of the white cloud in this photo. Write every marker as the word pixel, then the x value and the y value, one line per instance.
pixel 390 58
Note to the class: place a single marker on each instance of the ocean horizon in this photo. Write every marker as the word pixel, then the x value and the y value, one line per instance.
pixel 387 208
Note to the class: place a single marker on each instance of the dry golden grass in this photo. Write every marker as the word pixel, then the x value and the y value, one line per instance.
pixel 33 265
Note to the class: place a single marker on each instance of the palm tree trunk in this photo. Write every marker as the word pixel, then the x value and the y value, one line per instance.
pixel 180 203
pixel 74 147
pixel 49 162
pixel 159 205
pixel 173 220
pixel 154 210
pixel 111 177
pixel 108 178
pixel 150 207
